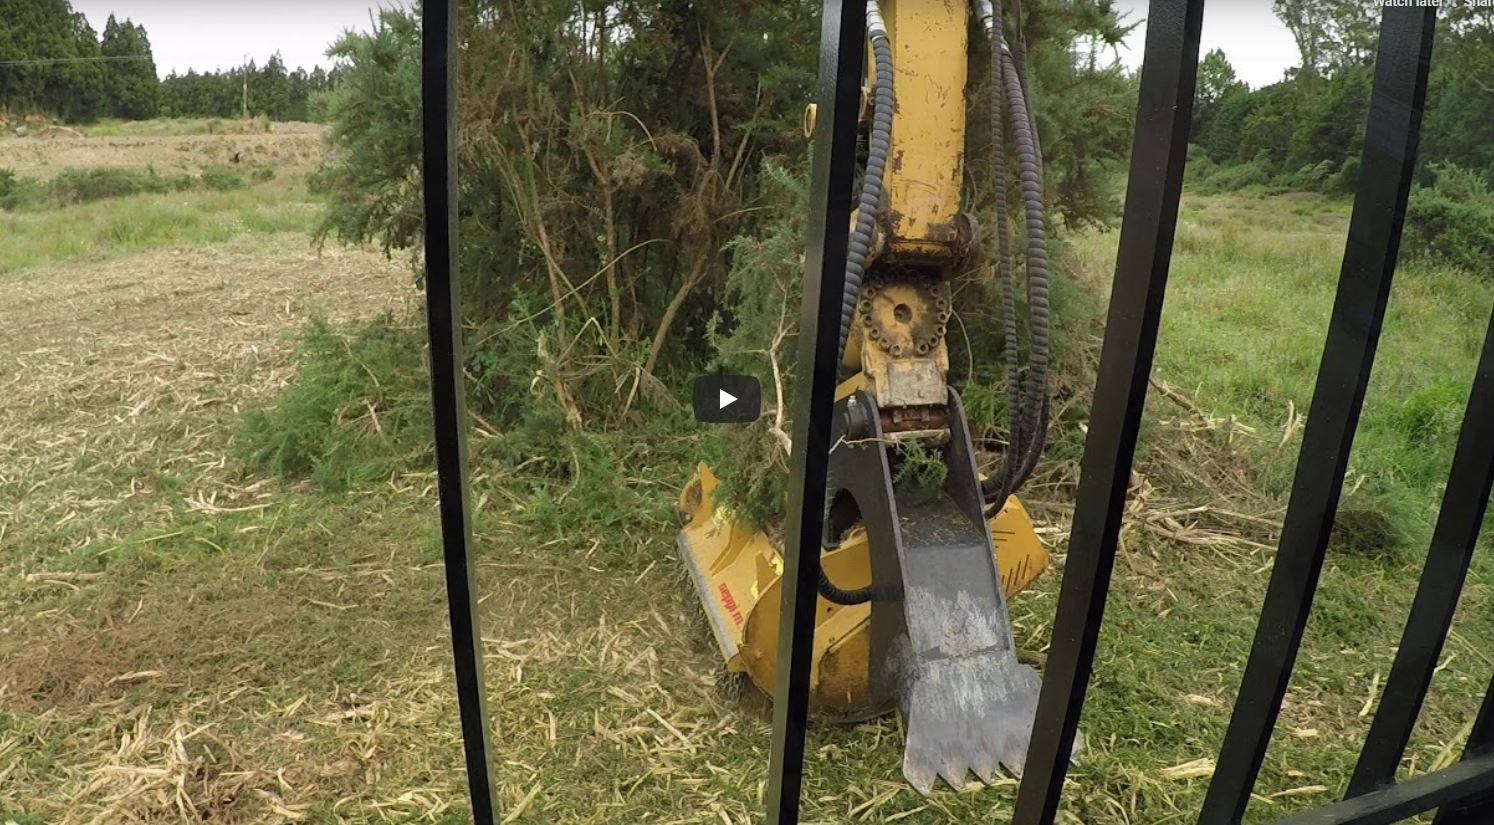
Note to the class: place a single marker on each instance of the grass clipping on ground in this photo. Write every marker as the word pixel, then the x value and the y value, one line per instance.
pixel 207 644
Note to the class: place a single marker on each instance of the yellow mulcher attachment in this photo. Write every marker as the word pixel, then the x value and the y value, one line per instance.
pixel 916 566
pixel 736 572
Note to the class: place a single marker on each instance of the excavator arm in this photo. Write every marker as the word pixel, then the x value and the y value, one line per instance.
pixel 917 565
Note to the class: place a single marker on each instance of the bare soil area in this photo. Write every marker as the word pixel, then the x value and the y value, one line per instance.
pixel 42 156
pixel 107 364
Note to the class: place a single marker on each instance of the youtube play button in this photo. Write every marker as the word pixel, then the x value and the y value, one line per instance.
pixel 726 399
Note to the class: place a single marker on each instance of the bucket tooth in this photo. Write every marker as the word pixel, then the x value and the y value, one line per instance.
pixel 984 766
pixel 973 714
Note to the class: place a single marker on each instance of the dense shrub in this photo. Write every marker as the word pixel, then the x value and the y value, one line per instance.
pixel 620 216
pixel 373 183
pixel 1452 220
pixel 1347 178
pixel 359 408
pixel 1221 138
pixel 1302 123
pixel 1313 177
pixel 755 334
pixel 1267 131
pixel 85 185
pixel 1258 172
pixel 1200 166
pixel 11 188
pixel 1329 125
pixel 78 186
pixel 221 179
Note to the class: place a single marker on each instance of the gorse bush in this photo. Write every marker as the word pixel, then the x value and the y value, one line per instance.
pixel 1452 220
pixel 358 409
pixel 78 186
pixel 373 187
pixel 1237 177
pixel 10 188
pixel 221 179
pixel 755 332
pixel 1313 177
pixel 85 185
pixel 632 212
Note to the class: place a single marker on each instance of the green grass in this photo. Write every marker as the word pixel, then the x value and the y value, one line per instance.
pixel 306 626
pixel 1251 288
pixel 118 226
pixel 1252 285
pixel 79 186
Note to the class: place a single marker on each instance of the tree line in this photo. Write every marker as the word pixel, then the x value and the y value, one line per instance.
pixel 1305 131
pixel 269 91
pixel 53 62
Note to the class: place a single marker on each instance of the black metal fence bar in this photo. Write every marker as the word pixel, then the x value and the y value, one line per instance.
pixel 1463 507
pixel 1394 803
pixel 1389 160
pixel 438 117
pixel 1480 809
pixel 842 52
pixel 1169 69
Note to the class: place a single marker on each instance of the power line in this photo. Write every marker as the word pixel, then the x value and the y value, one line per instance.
pixel 47 61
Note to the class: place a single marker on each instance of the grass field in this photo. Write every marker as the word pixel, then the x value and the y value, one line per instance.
pixel 189 640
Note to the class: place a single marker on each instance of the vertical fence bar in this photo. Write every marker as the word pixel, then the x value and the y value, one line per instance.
pixel 1164 112
pixel 1480 743
pixel 443 314
pixel 1389 159
pixel 842 53
pixel 1463 507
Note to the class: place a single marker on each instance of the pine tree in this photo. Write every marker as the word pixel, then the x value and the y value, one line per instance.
pixel 269 92
pixel 83 95
pixel 47 46
pixel 134 90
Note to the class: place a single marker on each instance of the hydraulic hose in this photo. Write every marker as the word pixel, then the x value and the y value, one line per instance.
pixel 1027 395
pixel 879 145
pixel 869 203
pixel 1030 168
pixel 1006 275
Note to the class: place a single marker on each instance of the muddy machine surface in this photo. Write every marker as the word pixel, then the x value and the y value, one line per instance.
pixel 915 572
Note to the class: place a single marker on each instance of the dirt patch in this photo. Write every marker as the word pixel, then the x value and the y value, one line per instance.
pixel 173 696
pixel 295 127
pixel 54 132
pixel 121 375
pixel 178 632
pixel 290 145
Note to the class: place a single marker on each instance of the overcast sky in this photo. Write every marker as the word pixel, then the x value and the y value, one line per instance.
pixel 216 34
pixel 1256 43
